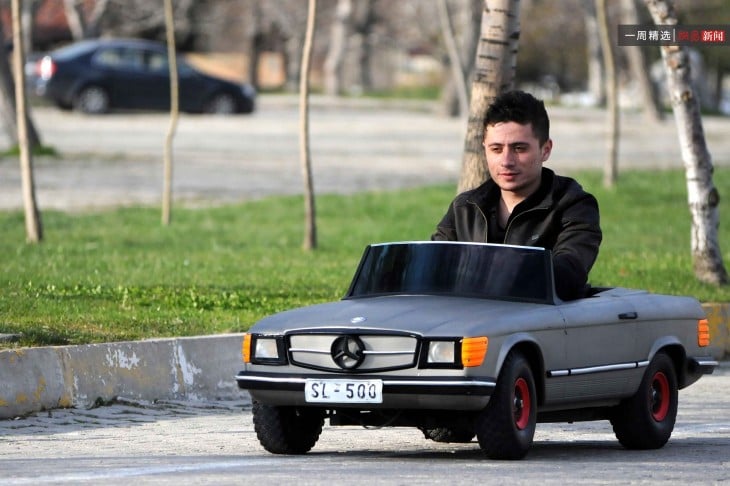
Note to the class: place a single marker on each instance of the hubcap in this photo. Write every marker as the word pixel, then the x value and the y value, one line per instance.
pixel 521 404
pixel 659 397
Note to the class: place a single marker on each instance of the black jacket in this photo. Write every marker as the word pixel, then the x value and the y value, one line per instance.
pixel 560 216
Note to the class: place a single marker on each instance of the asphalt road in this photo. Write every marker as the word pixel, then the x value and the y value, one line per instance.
pixel 355 146
pixel 214 443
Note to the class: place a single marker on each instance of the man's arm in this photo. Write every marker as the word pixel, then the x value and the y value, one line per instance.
pixel 576 248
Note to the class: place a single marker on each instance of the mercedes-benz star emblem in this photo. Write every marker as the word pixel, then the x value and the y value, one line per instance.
pixel 348 352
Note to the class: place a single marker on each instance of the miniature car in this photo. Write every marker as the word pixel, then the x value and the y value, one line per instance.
pixel 467 339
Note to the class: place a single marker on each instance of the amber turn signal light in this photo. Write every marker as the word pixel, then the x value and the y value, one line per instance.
pixel 246 348
pixel 703 332
pixel 473 351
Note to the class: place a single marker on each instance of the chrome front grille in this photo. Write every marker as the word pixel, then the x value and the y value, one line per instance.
pixel 380 352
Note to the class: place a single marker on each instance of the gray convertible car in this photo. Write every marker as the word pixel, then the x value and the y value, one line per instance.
pixel 464 340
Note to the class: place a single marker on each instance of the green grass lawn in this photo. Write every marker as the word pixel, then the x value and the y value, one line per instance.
pixel 119 275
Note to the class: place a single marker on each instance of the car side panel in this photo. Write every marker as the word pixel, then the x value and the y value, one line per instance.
pixel 602 357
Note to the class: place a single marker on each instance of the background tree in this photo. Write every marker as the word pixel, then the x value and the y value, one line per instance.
pixel 494 73
pixel 466 32
pixel 595 75
pixel 310 223
pixel 339 32
pixel 174 114
pixel 457 68
pixel 610 168
pixel 146 19
pixel 83 24
pixel 702 195
pixel 364 21
pixel 33 226
pixel 8 104
pixel 639 68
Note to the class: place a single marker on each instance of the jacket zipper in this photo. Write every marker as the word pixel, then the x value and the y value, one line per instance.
pixel 506 231
pixel 486 221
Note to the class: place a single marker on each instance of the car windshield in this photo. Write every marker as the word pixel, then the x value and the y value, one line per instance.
pixel 463 269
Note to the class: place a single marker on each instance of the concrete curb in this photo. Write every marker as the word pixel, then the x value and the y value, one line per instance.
pixel 198 368
pixel 195 368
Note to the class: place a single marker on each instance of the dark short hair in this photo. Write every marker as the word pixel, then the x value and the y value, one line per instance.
pixel 519 107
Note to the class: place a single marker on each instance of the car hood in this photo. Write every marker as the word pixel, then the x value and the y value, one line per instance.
pixel 419 314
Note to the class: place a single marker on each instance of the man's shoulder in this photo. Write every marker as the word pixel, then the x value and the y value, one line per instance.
pixel 564 185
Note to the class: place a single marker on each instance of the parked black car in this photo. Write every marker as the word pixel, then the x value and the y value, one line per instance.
pixel 96 76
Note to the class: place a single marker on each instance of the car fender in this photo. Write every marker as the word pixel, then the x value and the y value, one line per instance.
pixel 664 342
pixel 677 352
pixel 534 354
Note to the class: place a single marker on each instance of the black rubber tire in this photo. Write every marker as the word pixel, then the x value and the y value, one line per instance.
pixel 449 435
pixel 287 430
pixel 646 420
pixel 506 427
pixel 93 100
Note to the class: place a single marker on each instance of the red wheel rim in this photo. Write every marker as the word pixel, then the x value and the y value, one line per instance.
pixel 521 404
pixel 659 397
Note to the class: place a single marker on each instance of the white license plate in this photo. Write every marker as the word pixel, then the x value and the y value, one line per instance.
pixel 343 391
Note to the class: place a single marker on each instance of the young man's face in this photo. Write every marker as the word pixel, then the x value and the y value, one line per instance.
pixel 515 157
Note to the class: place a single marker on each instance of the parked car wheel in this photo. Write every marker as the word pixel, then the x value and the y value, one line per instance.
pixel 506 427
pixel 446 434
pixel 221 104
pixel 93 100
pixel 287 430
pixel 646 420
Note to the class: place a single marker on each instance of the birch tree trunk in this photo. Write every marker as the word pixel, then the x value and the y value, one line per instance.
pixel 174 115
pixel 494 73
pixel 33 227
pixel 310 225
pixel 703 197
pixel 610 167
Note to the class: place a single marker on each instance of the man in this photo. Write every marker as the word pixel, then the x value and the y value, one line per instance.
pixel 524 203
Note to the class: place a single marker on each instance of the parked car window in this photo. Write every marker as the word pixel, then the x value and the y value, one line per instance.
pixel 157 62
pixel 119 58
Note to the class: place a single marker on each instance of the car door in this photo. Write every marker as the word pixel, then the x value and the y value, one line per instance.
pixel 121 69
pixel 157 80
pixel 600 347
pixel 195 89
